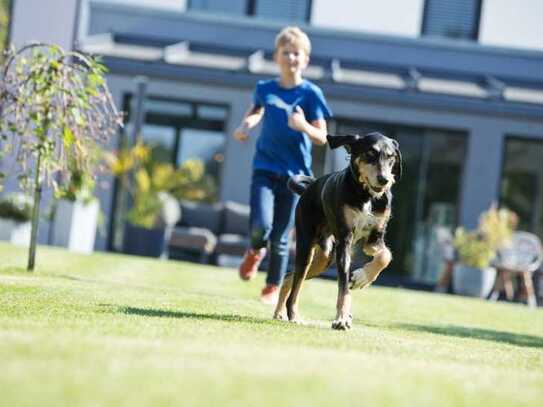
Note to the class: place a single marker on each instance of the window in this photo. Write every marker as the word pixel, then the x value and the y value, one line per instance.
pixel 204 145
pixel 280 10
pixel 233 7
pixel 452 19
pixel 283 10
pixel 161 140
pixel 522 182
pixel 426 198
pixel 177 131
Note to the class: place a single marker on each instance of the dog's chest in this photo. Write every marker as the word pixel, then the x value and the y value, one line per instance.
pixel 362 220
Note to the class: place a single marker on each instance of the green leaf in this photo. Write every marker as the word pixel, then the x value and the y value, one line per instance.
pixel 68 137
pixel 96 80
pixel 55 64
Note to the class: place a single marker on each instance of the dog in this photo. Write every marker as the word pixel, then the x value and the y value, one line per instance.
pixel 335 212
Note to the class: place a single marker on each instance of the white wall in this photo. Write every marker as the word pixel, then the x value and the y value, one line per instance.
pixel 512 23
pixel 43 20
pixel 393 17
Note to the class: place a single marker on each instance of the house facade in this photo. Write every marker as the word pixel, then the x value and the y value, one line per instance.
pixel 458 83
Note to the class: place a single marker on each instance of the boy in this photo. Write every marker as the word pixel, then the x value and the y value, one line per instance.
pixel 293 112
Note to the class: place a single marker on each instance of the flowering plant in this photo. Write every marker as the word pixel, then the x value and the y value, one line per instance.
pixel 478 248
pixel 157 186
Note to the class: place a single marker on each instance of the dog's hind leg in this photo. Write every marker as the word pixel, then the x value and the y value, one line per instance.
pixel 321 259
pixel 366 275
pixel 281 307
pixel 304 258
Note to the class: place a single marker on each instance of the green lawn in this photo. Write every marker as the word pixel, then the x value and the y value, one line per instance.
pixel 117 330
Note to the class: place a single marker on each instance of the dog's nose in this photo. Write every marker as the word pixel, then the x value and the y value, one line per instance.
pixel 382 180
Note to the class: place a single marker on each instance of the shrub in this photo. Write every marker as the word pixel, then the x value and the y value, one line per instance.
pixel 17 207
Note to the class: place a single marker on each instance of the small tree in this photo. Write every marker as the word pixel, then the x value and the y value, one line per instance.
pixel 55 110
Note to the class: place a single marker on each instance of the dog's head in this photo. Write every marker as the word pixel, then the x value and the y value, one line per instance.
pixel 376 161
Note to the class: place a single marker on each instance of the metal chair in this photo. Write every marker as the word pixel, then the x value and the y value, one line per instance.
pixel 524 256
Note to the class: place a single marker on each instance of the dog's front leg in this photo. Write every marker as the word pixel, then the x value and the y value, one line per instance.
pixel 366 275
pixel 344 319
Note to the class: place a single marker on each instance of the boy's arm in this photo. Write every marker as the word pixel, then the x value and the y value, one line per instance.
pixel 251 118
pixel 316 130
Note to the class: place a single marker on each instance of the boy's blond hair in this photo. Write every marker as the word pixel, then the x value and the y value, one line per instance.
pixel 294 36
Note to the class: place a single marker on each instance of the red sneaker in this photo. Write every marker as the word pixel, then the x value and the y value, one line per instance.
pixel 270 294
pixel 251 260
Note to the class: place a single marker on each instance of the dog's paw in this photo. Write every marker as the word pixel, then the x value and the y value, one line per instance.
pixel 297 321
pixel 343 323
pixel 359 279
pixel 280 316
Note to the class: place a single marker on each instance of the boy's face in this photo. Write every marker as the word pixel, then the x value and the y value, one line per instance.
pixel 291 59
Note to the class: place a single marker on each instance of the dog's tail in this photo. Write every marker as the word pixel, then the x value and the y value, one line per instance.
pixel 299 183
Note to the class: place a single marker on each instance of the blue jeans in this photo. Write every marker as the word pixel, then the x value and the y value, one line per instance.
pixel 272 218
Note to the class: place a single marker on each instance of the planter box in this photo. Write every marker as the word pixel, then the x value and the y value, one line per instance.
pixel 74 225
pixel 144 242
pixel 472 281
pixel 17 233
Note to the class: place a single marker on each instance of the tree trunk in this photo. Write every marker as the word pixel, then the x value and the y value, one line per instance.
pixel 35 216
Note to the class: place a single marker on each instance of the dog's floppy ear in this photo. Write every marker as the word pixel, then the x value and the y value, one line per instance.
pixel 343 140
pixel 397 169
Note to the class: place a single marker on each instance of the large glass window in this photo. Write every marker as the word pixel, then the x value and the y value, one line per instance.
pixel 204 145
pixel 522 182
pixel 161 140
pixel 177 131
pixel 425 200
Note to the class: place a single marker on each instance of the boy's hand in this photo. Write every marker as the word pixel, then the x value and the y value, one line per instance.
pixel 296 120
pixel 242 132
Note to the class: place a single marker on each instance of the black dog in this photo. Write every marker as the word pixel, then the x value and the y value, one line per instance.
pixel 338 210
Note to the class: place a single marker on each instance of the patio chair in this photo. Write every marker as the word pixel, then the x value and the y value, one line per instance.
pixel 195 235
pixel 522 258
pixel 233 238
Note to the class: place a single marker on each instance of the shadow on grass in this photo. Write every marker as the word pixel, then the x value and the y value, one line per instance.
pixel 477 333
pixel 150 312
pixel 15 270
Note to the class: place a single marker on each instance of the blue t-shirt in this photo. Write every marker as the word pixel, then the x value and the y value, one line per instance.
pixel 279 148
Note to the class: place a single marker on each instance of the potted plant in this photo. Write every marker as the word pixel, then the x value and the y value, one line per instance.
pixel 76 211
pixel 154 190
pixel 473 273
pixel 153 210
pixel 153 214
pixel 15 215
